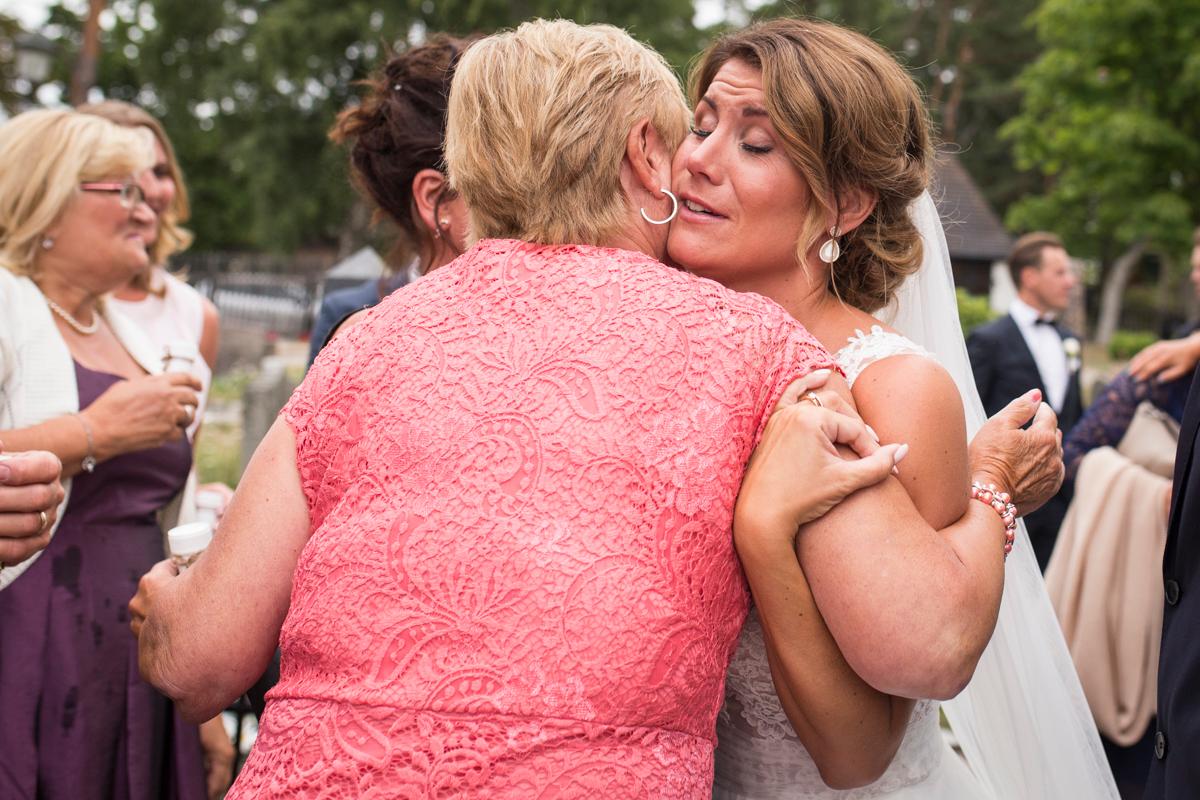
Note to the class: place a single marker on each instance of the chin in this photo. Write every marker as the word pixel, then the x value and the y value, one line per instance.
pixel 691 255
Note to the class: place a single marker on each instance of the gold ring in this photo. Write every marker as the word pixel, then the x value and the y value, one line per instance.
pixel 44 519
pixel 812 398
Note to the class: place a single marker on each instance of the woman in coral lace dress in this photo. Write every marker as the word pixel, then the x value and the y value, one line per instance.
pixel 500 505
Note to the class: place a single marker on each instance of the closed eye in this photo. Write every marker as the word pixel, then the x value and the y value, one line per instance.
pixel 700 133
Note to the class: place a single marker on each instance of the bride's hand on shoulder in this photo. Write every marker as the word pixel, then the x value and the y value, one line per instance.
pixel 815 451
pixel 1026 463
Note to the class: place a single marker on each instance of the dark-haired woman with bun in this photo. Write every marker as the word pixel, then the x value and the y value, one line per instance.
pixel 396 136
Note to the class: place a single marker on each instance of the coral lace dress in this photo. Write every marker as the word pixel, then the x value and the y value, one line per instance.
pixel 520 581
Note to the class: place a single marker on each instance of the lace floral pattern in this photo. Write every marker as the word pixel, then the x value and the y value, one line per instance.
pixel 759 755
pixel 521 581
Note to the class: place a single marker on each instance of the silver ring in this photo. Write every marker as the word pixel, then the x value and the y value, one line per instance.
pixel 45 519
pixel 812 398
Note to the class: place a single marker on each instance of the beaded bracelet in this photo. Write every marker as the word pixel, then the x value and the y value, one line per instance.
pixel 1001 503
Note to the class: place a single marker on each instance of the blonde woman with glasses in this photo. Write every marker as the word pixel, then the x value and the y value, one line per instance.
pixel 80 381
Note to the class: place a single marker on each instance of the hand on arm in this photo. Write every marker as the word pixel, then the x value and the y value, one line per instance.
pixel 851 730
pixel 911 601
pixel 210 632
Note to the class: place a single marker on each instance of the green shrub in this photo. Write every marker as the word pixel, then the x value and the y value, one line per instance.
pixel 1127 344
pixel 973 310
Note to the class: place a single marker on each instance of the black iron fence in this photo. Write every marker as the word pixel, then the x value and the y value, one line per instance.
pixel 278 294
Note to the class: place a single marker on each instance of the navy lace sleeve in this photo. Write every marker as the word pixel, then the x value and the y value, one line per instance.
pixel 1109 415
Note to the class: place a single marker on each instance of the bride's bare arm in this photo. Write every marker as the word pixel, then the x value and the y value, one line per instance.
pixel 911 606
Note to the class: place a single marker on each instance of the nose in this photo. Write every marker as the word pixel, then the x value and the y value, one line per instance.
pixel 703 158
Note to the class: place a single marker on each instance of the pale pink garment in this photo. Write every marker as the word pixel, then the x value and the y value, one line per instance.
pixel 521 582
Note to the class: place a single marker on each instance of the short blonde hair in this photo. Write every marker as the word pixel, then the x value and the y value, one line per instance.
pixel 44 155
pixel 537 127
pixel 849 116
pixel 172 236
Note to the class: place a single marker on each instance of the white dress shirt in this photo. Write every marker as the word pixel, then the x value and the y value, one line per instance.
pixel 1048 353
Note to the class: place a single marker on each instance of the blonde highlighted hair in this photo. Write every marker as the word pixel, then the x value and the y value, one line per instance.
pixel 172 236
pixel 537 128
pixel 849 117
pixel 44 155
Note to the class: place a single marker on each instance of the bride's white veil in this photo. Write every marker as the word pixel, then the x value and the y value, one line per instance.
pixel 1023 722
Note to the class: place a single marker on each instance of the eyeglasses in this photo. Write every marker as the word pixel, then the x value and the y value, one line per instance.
pixel 130 193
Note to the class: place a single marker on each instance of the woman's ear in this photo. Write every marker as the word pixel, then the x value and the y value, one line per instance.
pixel 857 204
pixel 648 157
pixel 428 186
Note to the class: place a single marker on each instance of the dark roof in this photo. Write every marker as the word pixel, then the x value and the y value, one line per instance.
pixel 973 231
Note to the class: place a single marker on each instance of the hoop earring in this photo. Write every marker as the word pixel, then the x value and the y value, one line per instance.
pixel 830 250
pixel 47 242
pixel 669 217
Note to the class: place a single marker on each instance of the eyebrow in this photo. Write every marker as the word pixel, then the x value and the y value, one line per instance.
pixel 748 111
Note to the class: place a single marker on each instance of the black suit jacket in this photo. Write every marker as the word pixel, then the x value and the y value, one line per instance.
pixel 1175 771
pixel 1004 370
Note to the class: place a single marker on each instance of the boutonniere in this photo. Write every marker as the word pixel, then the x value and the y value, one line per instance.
pixel 1072 348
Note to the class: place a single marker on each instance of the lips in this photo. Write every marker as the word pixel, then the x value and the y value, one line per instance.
pixel 699 209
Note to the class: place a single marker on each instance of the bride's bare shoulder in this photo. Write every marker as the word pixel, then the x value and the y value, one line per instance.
pixel 911 398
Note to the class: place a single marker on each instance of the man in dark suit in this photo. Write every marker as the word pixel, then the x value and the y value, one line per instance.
pixel 1028 348
pixel 1175 770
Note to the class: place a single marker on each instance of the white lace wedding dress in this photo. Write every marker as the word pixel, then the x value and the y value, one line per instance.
pixel 758 755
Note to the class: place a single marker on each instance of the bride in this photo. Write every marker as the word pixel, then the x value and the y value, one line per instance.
pixel 804 179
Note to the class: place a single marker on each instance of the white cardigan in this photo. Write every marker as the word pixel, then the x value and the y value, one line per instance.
pixel 37 374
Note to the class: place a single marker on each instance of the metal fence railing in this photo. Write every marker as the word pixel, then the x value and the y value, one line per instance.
pixel 275 293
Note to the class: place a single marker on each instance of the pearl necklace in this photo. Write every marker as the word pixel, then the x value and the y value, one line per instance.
pixel 79 327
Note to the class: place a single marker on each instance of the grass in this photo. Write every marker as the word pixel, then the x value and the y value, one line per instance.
pixel 219 454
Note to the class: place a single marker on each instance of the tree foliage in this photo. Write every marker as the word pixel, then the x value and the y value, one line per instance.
pixel 1111 120
pixel 247 90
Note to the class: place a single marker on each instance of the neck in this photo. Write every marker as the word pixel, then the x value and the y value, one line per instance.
pixel 1034 302
pixel 640 237
pixel 74 299
pixel 803 293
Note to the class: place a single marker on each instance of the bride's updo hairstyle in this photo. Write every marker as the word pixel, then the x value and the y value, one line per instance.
pixel 848 115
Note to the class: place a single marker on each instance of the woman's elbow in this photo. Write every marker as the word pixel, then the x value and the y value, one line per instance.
pixel 933 670
pixel 854 765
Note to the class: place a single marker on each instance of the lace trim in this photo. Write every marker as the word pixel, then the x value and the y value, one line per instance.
pixel 864 349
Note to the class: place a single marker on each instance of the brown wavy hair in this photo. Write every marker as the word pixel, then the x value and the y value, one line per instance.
pixel 398 130
pixel 849 116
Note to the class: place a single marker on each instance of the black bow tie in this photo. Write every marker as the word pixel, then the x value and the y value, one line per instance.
pixel 1044 321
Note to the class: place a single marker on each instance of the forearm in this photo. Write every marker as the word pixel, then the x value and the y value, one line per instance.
pixel 910 607
pixel 64 436
pixel 851 730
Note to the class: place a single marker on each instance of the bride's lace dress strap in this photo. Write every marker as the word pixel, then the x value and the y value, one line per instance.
pixel 864 349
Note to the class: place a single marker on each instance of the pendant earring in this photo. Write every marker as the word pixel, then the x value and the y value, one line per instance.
pixel 669 217
pixel 47 242
pixel 830 250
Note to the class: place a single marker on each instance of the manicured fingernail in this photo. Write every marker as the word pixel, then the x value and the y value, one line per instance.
pixel 821 373
pixel 901 452
pixel 1035 395
pixel 874 435
pixel 4 473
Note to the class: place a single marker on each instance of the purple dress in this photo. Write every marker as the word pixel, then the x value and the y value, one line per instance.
pixel 76 719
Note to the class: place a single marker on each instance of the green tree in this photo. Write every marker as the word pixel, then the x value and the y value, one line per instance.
pixel 248 88
pixel 1110 121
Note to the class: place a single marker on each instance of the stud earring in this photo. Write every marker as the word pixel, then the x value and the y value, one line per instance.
pixel 830 250
pixel 47 242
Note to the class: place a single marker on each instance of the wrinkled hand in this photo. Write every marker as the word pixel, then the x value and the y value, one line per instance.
pixel 1167 360
pixel 29 484
pixel 218 757
pixel 1028 464
pixel 141 413
pixel 796 473
pixel 142 603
